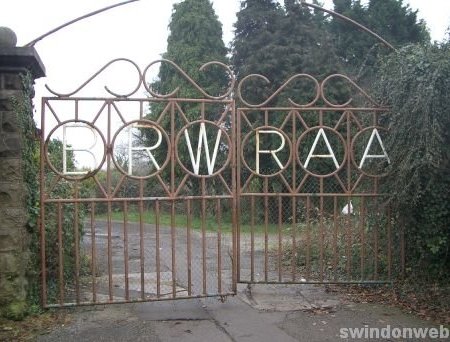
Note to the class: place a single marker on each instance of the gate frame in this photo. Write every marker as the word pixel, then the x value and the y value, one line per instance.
pixel 235 162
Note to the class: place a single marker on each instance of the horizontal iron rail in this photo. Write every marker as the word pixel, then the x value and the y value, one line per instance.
pixel 212 197
pixel 136 99
pixel 72 304
pixel 355 282
pixel 134 199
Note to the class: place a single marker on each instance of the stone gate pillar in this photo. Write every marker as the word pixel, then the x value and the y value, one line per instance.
pixel 14 242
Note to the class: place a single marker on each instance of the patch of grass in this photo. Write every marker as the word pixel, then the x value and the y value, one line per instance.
pixel 180 221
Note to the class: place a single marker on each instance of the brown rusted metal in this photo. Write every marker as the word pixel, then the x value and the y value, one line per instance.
pixel 294 241
pixel 42 197
pixel 77 246
pixel 252 238
pixel 174 247
pixel 219 245
pixel 280 239
pixel 363 240
pixel 125 250
pixel 287 226
pixel 335 237
pixel 60 256
pixel 204 246
pixel 158 244
pixel 375 244
pixel 93 254
pixel 266 232
pixel 189 245
pixel 351 21
pixel 389 241
pixel 90 14
pixel 141 240
pixel 308 238
pixel 328 204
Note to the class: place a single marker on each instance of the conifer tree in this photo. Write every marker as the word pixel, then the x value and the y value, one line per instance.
pixel 195 38
pixel 391 19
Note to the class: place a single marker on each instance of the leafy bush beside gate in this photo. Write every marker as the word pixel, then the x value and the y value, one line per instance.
pixel 415 83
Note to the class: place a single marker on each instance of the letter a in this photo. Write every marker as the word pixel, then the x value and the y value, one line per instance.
pixel 313 148
pixel 369 145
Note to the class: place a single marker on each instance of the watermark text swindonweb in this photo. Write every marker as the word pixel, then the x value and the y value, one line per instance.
pixel 390 332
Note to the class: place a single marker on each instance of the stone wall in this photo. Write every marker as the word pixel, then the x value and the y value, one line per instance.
pixel 13 214
pixel 14 237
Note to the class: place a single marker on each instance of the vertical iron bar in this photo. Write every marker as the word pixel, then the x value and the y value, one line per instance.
pixel 189 246
pixel 158 257
pixel 141 237
pixel 203 216
pixel 280 243
pixel 60 256
pixel 93 254
pixel 335 238
pixel 42 197
pixel 349 186
pixel 294 204
pixel 125 249
pixel 219 246
pixel 389 243
pixel 173 191
pixel 109 213
pixel 321 232
pixel 294 238
pixel 236 179
pixel 349 239
pixel 77 246
pixel 252 238
pixel 375 248
pixel 308 239
pixel 173 239
pixel 266 229
pixel 109 247
pixel 362 229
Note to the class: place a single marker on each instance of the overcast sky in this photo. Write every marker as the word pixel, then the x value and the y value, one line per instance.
pixel 137 31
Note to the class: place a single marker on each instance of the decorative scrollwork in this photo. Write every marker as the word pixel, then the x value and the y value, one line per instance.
pixel 142 79
pixel 319 87
pixel 190 80
pixel 350 100
pixel 106 87
pixel 319 91
pixel 279 90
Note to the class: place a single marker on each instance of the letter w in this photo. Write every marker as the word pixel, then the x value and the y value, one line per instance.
pixel 203 140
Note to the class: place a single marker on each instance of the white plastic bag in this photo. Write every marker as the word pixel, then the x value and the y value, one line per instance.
pixel 348 209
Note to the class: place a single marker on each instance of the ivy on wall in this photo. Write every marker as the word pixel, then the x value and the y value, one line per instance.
pixel 30 168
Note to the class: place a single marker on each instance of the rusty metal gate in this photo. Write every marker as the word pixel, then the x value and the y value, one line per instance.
pixel 309 204
pixel 160 197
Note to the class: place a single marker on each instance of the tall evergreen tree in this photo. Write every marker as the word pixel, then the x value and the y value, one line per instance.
pixel 195 38
pixel 390 19
pixel 254 48
pixel 280 42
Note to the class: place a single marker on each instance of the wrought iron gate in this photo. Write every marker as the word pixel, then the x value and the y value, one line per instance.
pixel 309 205
pixel 160 197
